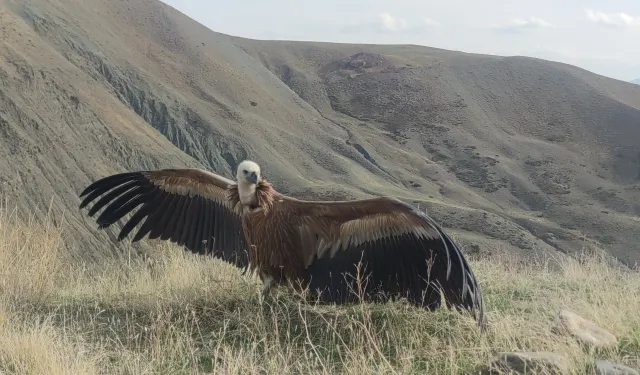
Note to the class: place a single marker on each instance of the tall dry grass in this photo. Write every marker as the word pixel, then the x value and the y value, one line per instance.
pixel 167 311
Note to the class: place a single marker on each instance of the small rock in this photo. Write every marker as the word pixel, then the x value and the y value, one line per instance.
pixel 529 363
pixel 603 367
pixel 584 330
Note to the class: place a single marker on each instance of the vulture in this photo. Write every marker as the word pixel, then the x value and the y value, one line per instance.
pixel 373 249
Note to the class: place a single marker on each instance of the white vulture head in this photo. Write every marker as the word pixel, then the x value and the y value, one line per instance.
pixel 248 172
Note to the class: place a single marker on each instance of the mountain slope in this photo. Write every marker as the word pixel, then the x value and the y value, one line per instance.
pixel 514 152
pixel 531 136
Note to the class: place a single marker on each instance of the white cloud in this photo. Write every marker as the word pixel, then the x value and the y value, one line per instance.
pixel 520 24
pixel 429 22
pixel 388 23
pixel 392 23
pixel 532 22
pixel 612 19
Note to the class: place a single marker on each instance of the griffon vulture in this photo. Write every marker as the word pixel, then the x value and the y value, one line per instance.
pixel 341 250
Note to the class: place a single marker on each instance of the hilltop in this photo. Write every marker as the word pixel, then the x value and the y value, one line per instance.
pixel 511 153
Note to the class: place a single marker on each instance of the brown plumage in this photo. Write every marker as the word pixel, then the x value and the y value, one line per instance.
pixel 341 250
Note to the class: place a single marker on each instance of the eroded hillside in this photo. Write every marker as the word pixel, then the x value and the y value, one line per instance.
pixel 520 153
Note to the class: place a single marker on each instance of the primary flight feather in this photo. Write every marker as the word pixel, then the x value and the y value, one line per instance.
pixel 374 248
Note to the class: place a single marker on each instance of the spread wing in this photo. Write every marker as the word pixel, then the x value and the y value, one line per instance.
pixel 390 247
pixel 184 206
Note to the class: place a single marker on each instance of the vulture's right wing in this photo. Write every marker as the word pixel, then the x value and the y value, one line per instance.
pixel 185 206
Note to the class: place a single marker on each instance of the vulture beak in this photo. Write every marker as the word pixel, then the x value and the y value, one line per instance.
pixel 253 178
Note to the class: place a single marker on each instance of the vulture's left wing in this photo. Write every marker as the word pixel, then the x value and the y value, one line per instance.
pixel 185 206
pixel 388 246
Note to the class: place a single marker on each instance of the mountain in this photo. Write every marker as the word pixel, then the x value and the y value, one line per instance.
pixel 637 81
pixel 510 153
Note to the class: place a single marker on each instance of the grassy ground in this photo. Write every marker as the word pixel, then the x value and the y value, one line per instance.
pixel 170 312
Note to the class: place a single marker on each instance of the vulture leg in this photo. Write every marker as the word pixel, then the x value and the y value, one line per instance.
pixel 267 284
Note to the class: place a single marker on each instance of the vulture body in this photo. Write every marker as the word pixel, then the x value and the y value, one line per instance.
pixel 372 249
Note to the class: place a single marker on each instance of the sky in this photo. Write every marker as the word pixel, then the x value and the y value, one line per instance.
pixel 599 35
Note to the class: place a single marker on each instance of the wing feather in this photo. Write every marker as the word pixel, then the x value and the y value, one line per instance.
pixel 398 249
pixel 185 206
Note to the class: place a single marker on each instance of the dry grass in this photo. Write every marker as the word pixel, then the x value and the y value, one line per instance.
pixel 170 312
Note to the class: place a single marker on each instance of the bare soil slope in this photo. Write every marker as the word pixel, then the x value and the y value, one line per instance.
pixel 524 154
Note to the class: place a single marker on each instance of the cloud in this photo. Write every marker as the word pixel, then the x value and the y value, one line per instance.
pixel 391 23
pixel 387 23
pixel 429 22
pixel 612 19
pixel 521 24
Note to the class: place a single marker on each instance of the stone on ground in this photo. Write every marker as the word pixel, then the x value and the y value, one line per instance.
pixel 528 363
pixel 583 330
pixel 603 367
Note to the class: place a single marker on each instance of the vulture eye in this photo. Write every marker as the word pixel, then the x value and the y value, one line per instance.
pixel 245 171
